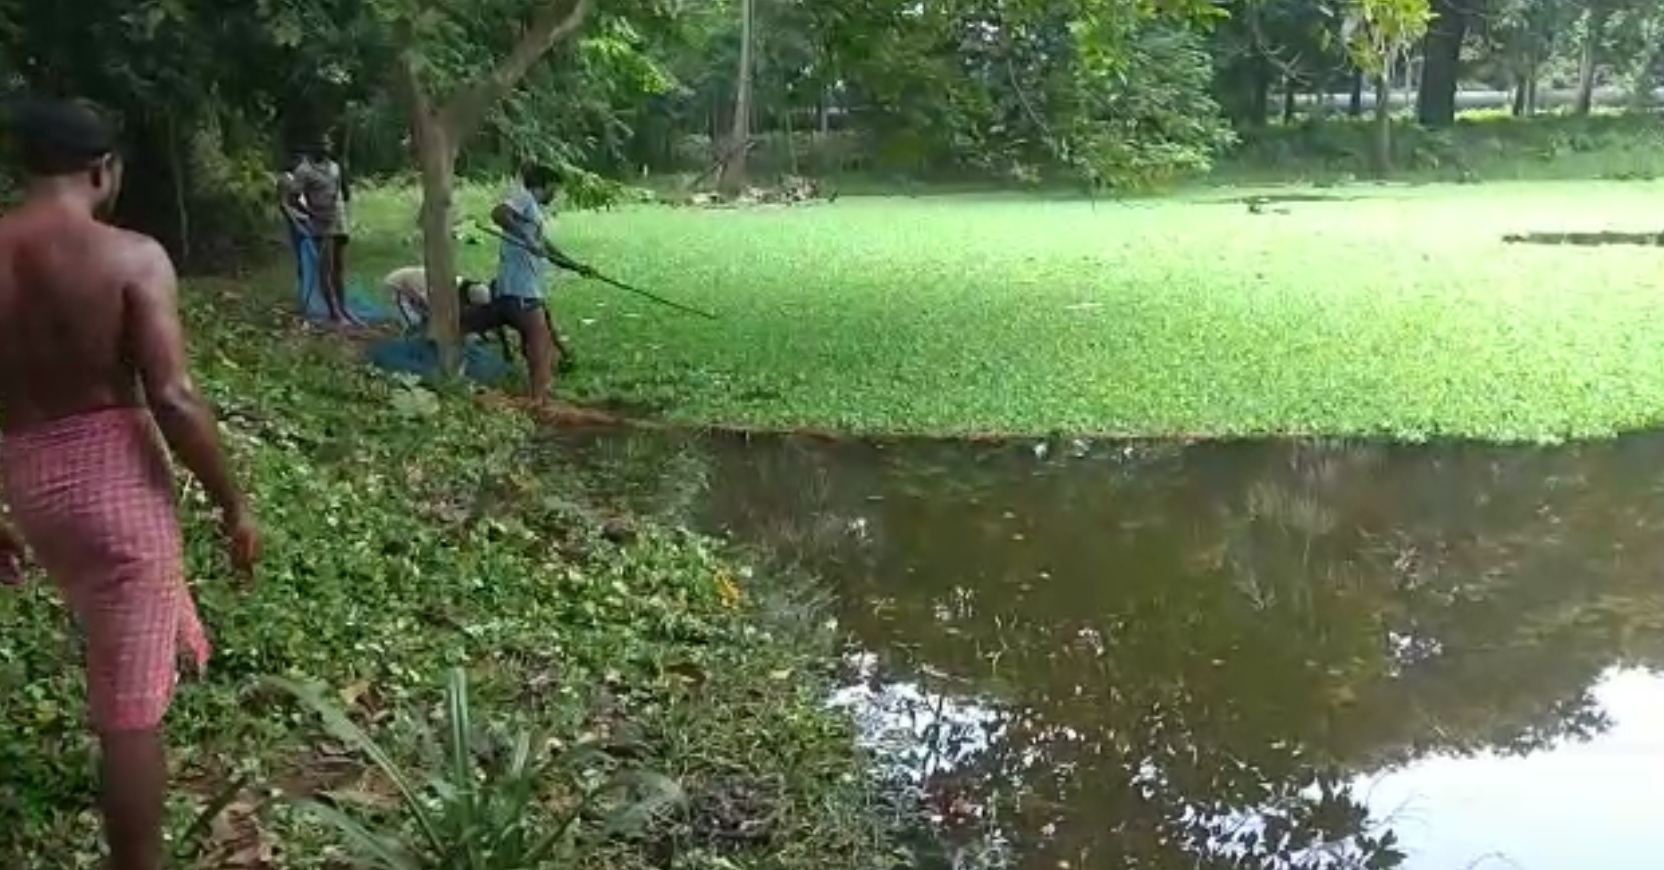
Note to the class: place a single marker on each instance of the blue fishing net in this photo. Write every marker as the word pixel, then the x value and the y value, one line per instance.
pixel 418 355
pixel 360 302
pixel 412 353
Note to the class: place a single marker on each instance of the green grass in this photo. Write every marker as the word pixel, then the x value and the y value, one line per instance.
pixel 1399 311
pixel 409 533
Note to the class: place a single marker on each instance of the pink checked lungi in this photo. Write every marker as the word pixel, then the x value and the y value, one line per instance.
pixel 94 499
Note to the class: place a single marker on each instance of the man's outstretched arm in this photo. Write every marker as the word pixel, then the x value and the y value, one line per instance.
pixel 513 223
pixel 158 347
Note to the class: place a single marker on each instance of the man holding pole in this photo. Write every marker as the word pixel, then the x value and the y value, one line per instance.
pixel 523 256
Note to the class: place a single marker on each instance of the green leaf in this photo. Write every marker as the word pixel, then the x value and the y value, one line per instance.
pixel 378 848
pixel 466 802
pixel 343 728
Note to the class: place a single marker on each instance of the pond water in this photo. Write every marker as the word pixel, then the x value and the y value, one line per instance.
pixel 1257 655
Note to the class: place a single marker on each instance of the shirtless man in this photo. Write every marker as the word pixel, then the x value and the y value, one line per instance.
pixel 91 352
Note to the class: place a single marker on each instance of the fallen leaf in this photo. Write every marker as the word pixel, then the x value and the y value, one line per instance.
pixel 350 695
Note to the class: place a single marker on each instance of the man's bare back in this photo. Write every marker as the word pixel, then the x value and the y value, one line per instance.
pixel 90 340
pixel 74 300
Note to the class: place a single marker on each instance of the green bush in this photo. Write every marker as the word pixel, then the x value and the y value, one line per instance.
pixel 1481 146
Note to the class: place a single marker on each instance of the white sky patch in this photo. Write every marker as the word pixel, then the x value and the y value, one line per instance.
pixel 1579 805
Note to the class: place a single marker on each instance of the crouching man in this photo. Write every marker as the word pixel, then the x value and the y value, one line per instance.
pixel 484 312
pixel 408 288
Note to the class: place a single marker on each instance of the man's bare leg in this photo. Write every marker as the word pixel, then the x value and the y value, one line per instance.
pixel 338 271
pixel 564 355
pixel 539 345
pixel 135 779
pixel 327 256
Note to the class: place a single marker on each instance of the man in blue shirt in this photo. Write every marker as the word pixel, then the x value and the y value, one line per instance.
pixel 523 259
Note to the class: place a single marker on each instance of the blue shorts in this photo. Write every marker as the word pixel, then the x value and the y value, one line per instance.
pixel 511 305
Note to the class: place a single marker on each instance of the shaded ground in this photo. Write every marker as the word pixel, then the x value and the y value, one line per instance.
pixel 1402 312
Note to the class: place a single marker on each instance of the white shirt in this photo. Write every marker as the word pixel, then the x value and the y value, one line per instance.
pixel 409 280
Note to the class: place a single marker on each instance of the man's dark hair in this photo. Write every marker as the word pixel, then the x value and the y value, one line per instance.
pixel 539 175
pixel 58 137
pixel 318 146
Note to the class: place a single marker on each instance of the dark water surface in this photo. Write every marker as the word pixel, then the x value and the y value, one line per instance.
pixel 1249 656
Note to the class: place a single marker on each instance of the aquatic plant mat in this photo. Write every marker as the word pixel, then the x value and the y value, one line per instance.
pixel 1356 309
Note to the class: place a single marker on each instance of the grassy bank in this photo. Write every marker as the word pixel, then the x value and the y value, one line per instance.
pixel 406 535
pixel 1351 309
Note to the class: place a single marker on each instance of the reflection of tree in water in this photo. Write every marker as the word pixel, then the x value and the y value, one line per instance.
pixel 1218 640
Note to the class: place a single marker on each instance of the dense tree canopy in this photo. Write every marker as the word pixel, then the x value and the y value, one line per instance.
pixel 213 93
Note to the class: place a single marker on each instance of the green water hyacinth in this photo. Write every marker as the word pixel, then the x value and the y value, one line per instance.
pixel 1359 309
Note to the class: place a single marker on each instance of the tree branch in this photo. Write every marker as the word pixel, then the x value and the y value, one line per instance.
pixel 554 21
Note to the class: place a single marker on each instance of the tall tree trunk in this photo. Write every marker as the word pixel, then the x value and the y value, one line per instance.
pixel 1259 99
pixel 176 168
pixel 150 187
pixel 438 130
pixel 1288 100
pixel 821 154
pixel 734 175
pixel 791 140
pixel 1441 63
pixel 436 158
pixel 1517 105
pixel 439 249
pixel 1594 22
pixel 1381 153
pixel 1355 99
pixel 1643 83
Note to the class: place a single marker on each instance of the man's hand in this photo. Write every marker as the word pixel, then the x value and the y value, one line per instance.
pixel 243 541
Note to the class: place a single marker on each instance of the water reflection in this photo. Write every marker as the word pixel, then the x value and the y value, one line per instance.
pixel 1244 656
pixel 1582 803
